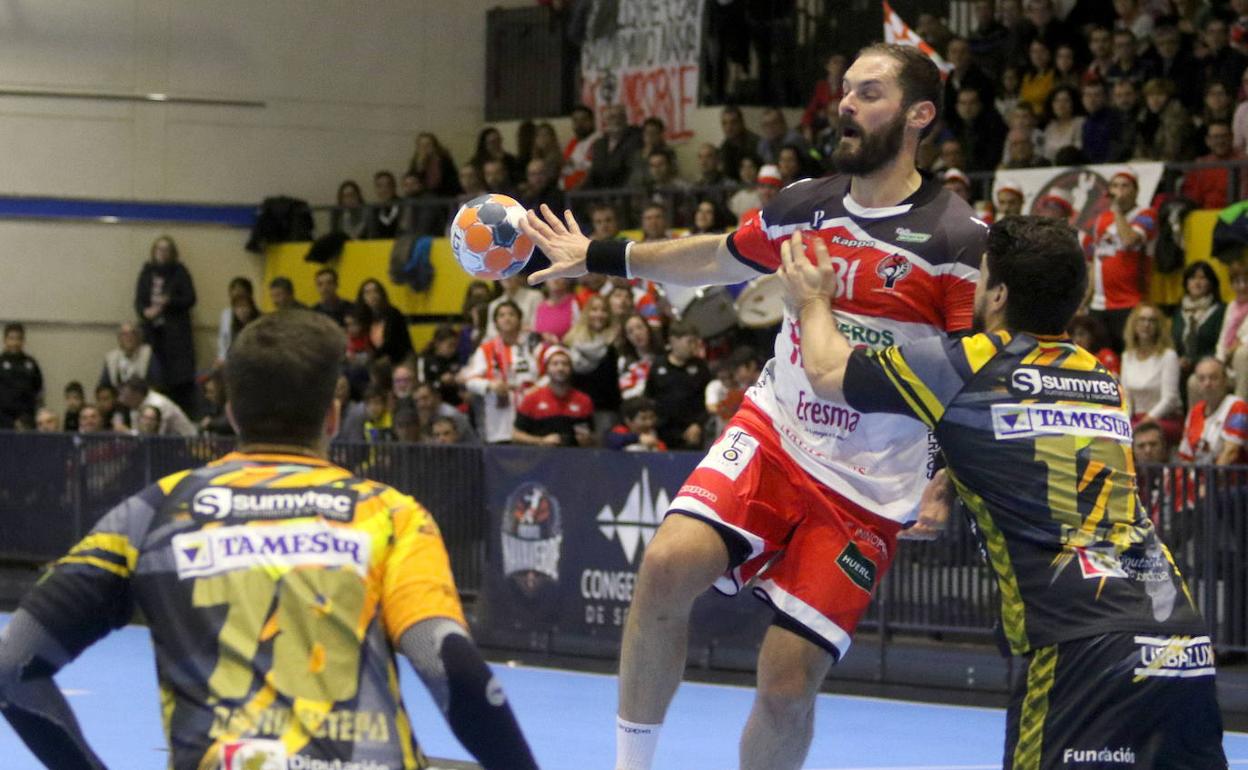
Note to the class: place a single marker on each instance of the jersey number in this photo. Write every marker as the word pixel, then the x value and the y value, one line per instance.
pixel 845 270
pixel 309 614
pixel 1095 471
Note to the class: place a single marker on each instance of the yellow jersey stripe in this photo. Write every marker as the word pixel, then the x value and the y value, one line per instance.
pixel 169 482
pixel 979 349
pixel 1013 618
pixel 93 561
pixel 1040 676
pixel 109 542
pixel 920 399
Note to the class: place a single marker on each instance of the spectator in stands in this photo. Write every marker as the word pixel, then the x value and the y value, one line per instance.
pixel 739 142
pixel 1149 444
pixel 546 149
pixel 654 223
pixel 710 171
pixel 1217 108
pixel 639 345
pixel 501 370
pixel 438 364
pixel 470 183
pixel 747 197
pixel 1127 63
pixel 1170 61
pixel 620 303
pixel 1021 148
pixel 950 155
pixel 1216 427
pixel 676 383
pixel 134 394
pixel 475 311
pixel 445 432
pixel 213 419
pixel 1232 347
pixel 827 91
pixel 107 409
pixel 46 421
pixel 793 166
pixel 556 313
pixel 1007 90
pixel 1043 24
pixel 636 431
pixel 541 187
pixel 556 414
pixel 775 133
pixel 1102 127
pixel 349 217
pixel 1133 18
pixel 378 419
pixel 384 219
pixel 1125 100
pixel 402 385
pixel 242 310
pixel 1118 245
pixel 765 188
pixel 428 407
pixel 653 139
pixel 386 325
pixel 1216 60
pixel 989 38
pixel 1101 49
pixel 329 302
pixel 433 165
pixel 359 348
pixel 1040 78
pixel 149 421
pixel 516 289
pixel 605 222
pixel 282 294
pixel 591 345
pixel 723 395
pixel 1163 127
pixel 827 140
pixel 1150 372
pixel 163 298
pixel 965 73
pixel 1066 70
pixel 490 147
pixel 1198 319
pixel 496 177
pixel 576 158
pixel 131 358
pixel 957 183
pixel 662 183
pixel 980 131
pixel 1023 119
pixel 1211 188
pixel 75 397
pixel 710 217
pixel 612 155
pixel 1009 200
pixel 90 420
pixel 1089 334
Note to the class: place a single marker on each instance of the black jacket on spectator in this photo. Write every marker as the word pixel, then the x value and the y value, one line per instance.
pixel 169 333
pixel 1183 71
pixel 396 343
pixel 732 151
pixel 611 165
pixel 602 384
pixel 1227 65
pixel 679 394
pixel 983 140
pixel 21 382
pixel 974 78
pixel 1102 137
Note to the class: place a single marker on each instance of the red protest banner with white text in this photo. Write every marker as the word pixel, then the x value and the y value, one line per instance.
pixel 644 54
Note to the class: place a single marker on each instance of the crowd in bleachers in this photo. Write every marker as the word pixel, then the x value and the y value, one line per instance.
pixel 643 366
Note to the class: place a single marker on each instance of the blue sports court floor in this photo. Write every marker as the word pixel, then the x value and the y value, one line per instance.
pixel 568 718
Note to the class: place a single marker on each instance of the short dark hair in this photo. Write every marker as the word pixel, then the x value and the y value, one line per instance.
pixel 918 76
pixel 74 386
pixel 1150 425
pixel 137 384
pixel 1211 275
pixel 503 304
pixel 653 121
pixel 14 326
pixel 383 174
pixel 282 282
pixel 239 282
pixel 280 374
pixel 682 329
pixel 328 271
pixel 1042 266
pixel 631 407
pixel 105 388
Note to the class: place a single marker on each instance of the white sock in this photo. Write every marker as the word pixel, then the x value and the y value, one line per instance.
pixel 635 744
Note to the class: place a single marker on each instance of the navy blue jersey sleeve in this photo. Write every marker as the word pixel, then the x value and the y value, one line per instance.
pixel 917 379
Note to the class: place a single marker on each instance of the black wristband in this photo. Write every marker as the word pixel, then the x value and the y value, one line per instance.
pixel 607 258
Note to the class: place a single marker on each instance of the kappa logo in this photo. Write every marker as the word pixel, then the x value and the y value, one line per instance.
pixel 892 269
pixel 635 523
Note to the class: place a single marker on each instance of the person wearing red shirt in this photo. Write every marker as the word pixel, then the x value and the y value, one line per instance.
pixel 556 414
pixel 1118 247
pixel 1210 187
pixel 576 153
pixel 1217 426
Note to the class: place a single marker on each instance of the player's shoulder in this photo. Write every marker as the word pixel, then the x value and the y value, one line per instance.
pixel 953 219
pixel 798 203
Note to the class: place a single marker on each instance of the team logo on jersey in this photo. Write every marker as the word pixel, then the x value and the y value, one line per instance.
pixel 892 269
pixel 857 567
pixel 532 534
pixel 906 235
pixel 731 453
pixel 1175 657
pixel 1011 421
pixel 253 755
pixel 1064 385
pixel 249 503
pixel 309 544
pixel 1098 563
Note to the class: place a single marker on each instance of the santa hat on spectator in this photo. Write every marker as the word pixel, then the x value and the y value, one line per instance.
pixel 1011 186
pixel 549 352
pixel 770 176
pixel 956 175
pixel 1057 196
pixel 1127 173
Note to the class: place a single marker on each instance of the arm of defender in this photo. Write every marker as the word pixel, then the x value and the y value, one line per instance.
pixel 30 699
pixel 699 260
pixel 466 691
pixel 811 288
pixel 935 505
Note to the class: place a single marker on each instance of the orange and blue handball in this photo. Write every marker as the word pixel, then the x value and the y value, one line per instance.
pixel 486 239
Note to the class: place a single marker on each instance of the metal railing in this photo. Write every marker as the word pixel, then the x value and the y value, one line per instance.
pixel 54 487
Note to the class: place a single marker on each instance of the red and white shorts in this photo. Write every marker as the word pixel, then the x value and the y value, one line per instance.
pixel 806 550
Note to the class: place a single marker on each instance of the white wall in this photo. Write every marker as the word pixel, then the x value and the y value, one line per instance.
pixel 347 85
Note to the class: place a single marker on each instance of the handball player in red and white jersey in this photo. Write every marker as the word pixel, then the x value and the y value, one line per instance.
pixel 801 499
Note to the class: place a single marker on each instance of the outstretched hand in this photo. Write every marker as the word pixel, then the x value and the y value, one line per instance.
pixel 563 244
pixel 803 281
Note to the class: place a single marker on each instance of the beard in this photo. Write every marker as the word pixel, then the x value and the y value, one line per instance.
pixel 978 322
pixel 875 149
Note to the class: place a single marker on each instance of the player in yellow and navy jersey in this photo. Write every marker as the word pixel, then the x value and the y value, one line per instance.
pixel 1117 670
pixel 277 587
